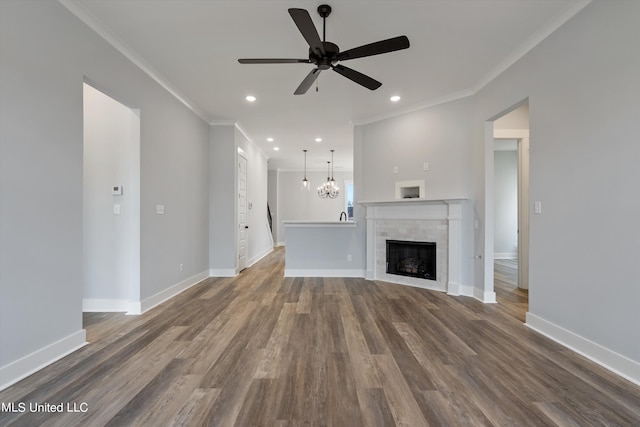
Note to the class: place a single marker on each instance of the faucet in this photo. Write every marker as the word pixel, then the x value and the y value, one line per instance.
pixel 345 215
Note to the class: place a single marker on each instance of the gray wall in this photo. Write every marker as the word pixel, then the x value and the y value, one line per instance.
pixel 582 84
pixel 273 202
pixel 111 243
pixel 505 204
pixel 222 200
pixel 440 136
pixel 297 204
pixel 45 54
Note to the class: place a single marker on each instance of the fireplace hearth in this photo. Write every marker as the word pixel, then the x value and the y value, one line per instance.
pixel 413 259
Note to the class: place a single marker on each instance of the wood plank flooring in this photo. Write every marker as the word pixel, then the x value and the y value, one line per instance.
pixel 263 350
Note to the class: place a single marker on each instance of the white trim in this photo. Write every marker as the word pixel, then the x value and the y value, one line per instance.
pixel 280 244
pixel 322 273
pixel 617 363
pixel 487 297
pixel 82 13
pixel 420 106
pixel 400 185
pixel 542 33
pixel 104 305
pixel 545 31
pixel 259 256
pixel 415 282
pixel 139 307
pixel 505 255
pixel 31 363
pixel 223 272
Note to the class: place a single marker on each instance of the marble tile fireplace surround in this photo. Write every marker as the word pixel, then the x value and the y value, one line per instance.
pixel 417 220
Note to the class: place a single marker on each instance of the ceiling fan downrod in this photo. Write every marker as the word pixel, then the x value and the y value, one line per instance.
pixel 324 10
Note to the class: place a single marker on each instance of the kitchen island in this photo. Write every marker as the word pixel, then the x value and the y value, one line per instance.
pixel 323 249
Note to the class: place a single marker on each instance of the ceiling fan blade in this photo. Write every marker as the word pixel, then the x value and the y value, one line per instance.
pixel 357 77
pixel 304 23
pixel 307 82
pixel 383 46
pixel 273 61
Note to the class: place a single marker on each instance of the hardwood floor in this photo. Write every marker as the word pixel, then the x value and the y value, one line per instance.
pixel 505 283
pixel 260 349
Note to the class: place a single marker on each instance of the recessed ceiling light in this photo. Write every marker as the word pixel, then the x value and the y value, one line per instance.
pixel 276 148
pixel 250 98
pixel 270 139
pixel 395 98
pixel 318 139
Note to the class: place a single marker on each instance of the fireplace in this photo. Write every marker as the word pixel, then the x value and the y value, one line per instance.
pixel 413 259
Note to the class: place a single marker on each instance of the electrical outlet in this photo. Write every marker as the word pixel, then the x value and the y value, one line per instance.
pixel 425 166
pixel 181 267
pixel 349 259
pixel 395 169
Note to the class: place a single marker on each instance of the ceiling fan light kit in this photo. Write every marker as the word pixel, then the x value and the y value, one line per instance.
pixel 326 55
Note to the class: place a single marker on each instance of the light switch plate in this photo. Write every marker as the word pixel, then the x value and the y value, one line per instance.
pixel 159 209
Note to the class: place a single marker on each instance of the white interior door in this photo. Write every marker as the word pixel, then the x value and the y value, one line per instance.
pixel 243 228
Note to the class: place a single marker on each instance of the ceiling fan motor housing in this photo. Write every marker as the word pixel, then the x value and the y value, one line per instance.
pixel 324 62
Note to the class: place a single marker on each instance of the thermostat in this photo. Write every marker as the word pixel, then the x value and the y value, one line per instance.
pixel 116 190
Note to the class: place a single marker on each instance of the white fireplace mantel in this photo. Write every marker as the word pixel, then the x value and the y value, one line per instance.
pixel 412 213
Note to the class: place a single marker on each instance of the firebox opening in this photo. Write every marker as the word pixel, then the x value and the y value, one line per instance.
pixel 414 259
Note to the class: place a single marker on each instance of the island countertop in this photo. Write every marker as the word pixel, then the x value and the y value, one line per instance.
pixel 304 223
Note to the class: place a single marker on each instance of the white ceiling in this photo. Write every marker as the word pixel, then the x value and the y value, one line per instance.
pixel 192 47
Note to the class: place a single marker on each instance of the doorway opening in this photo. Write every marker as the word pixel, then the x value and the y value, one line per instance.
pixel 111 204
pixel 507 204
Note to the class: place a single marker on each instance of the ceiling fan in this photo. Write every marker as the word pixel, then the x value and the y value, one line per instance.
pixel 326 55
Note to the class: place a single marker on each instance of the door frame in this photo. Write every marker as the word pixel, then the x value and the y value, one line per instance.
pixel 522 137
pixel 242 251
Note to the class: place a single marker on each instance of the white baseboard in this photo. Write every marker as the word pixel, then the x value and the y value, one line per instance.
pixel 505 255
pixel 261 255
pixel 139 307
pixel 604 357
pixel 223 272
pixel 29 364
pixel 104 305
pixel 322 273
pixel 484 296
pixel 278 244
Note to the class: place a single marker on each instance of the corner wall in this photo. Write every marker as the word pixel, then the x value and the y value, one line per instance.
pixel 583 91
pixel 46 54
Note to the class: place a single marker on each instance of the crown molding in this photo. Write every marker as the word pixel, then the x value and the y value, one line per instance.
pixel 416 107
pixel 81 12
pixel 545 31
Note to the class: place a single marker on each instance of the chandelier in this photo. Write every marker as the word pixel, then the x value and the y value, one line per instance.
pixel 329 189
